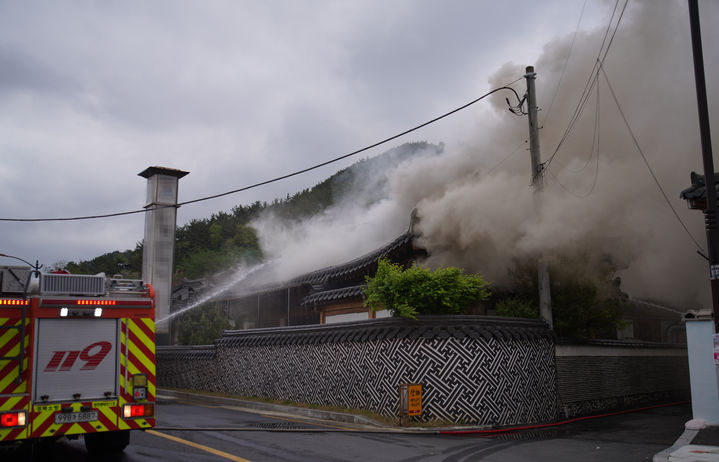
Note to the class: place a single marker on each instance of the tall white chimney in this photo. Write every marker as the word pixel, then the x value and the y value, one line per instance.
pixel 159 244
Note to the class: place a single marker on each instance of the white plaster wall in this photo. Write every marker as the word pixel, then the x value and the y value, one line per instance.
pixel 702 371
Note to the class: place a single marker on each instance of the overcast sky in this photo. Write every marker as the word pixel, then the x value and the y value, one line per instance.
pixel 235 92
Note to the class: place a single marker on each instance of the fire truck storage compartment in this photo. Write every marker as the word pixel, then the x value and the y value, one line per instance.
pixel 13 279
pixel 76 357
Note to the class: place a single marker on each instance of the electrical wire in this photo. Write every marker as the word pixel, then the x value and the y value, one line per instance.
pixel 279 178
pixel 564 68
pixel 595 142
pixel 595 134
pixel 646 162
pixel 585 93
pixel 497 165
pixel 591 80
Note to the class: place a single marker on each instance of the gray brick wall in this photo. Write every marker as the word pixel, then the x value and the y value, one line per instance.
pixel 600 376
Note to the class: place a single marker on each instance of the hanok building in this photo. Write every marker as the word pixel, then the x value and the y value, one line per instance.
pixel 651 321
pixel 332 294
pixel 329 295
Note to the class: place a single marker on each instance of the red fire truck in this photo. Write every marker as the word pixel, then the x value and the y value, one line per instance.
pixel 77 357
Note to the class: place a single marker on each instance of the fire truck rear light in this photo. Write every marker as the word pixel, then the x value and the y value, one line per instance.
pixel 98 312
pixel 97 302
pixel 6 301
pixel 63 312
pixel 12 419
pixel 139 380
pixel 138 410
pixel 139 387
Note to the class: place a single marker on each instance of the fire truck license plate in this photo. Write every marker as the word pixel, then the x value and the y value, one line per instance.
pixel 72 417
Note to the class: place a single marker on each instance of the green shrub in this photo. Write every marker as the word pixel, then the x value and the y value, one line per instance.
pixel 420 291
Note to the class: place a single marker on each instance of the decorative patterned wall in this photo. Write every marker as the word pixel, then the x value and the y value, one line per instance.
pixel 473 369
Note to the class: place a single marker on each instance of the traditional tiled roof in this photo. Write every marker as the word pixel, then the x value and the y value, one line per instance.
pixel 358 264
pixel 625 343
pixel 334 295
pixel 428 327
pixel 655 306
pixel 698 189
pixel 195 352
pixel 320 277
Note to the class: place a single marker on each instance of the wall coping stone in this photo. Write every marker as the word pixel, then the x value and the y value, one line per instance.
pixel 618 343
pixel 428 327
pixel 187 352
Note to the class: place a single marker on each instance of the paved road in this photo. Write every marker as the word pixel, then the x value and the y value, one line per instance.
pixel 629 437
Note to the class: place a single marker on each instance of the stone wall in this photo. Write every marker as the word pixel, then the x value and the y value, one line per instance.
pixel 598 376
pixel 473 369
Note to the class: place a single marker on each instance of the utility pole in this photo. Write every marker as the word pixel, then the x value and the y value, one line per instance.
pixel 545 297
pixel 710 213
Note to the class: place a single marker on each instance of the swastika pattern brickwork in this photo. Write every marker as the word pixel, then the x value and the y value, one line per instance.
pixel 483 373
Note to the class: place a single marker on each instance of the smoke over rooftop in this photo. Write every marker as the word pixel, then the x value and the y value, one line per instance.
pixel 476 204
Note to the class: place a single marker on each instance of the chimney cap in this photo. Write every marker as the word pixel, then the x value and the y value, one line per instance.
pixel 152 171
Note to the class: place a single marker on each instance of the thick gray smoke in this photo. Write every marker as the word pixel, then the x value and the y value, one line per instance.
pixel 367 215
pixel 481 224
pixel 477 208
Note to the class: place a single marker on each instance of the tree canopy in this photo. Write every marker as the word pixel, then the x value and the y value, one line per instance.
pixel 585 302
pixel 420 291
pixel 202 325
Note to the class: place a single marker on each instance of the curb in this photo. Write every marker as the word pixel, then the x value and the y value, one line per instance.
pixel 684 440
pixel 173 396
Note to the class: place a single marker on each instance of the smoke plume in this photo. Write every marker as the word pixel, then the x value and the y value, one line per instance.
pixel 477 208
pixel 366 215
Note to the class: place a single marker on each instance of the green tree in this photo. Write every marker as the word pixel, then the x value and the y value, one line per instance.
pixel 585 303
pixel 202 325
pixel 127 263
pixel 218 250
pixel 517 307
pixel 420 291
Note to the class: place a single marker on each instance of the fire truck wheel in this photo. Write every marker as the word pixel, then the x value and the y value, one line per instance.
pixel 107 442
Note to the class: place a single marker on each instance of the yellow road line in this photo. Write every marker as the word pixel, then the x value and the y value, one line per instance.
pixel 306 422
pixel 198 446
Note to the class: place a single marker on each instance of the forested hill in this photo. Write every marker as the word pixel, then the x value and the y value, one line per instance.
pixel 206 246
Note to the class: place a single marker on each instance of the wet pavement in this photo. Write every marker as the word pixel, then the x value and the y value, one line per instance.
pixel 211 429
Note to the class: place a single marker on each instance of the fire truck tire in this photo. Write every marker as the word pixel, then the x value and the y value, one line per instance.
pixel 107 442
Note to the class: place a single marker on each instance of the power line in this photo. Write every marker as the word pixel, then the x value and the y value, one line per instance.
pixel 283 177
pixel 498 164
pixel 591 83
pixel 595 134
pixel 564 68
pixel 591 80
pixel 646 162
pixel 595 142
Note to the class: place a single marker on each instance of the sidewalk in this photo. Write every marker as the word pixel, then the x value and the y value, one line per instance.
pixel 169 396
pixel 694 445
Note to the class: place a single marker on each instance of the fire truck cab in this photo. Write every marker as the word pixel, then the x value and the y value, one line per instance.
pixel 77 357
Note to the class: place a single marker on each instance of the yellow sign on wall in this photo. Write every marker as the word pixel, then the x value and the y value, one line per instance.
pixel 415 399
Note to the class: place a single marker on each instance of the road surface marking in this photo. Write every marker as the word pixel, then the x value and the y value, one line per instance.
pixel 198 446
